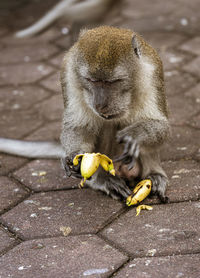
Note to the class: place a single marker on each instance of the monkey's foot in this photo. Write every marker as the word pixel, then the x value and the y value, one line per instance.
pixel 113 186
pixel 131 150
pixel 159 186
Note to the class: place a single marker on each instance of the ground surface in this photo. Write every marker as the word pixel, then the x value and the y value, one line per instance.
pixel 50 228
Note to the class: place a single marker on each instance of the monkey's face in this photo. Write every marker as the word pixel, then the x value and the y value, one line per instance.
pixel 108 95
pixel 106 66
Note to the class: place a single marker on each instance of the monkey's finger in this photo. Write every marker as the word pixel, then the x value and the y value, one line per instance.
pixel 134 150
pixel 77 175
pixel 120 158
pixel 164 199
pixel 131 165
pixel 67 170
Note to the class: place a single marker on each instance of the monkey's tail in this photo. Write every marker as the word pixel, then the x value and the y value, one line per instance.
pixel 47 19
pixel 31 149
pixel 85 10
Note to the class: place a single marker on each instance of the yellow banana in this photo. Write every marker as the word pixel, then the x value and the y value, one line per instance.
pixel 140 192
pixel 90 163
pixel 138 209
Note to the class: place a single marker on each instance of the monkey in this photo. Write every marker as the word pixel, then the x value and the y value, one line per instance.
pixel 74 10
pixel 114 103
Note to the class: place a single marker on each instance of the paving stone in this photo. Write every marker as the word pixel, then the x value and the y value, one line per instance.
pixel 42 175
pixel 6 240
pixel 23 73
pixel 195 121
pixel 163 40
pixel 162 267
pixel 184 180
pixel 9 163
pixel 192 46
pixel 52 82
pixel 62 257
pixel 182 109
pixel 51 109
pixel 193 66
pixel 178 82
pixel 43 214
pixel 57 60
pixel 19 123
pixel 64 42
pixel 3 31
pixel 197 155
pixel 173 59
pixel 21 97
pixel 194 93
pixel 28 14
pixel 166 230
pixel 48 132
pixel 143 25
pixel 143 8
pixel 26 53
pixel 183 144
pixel 10 193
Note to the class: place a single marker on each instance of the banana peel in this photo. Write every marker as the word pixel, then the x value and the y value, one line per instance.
pixel 140 207
pixel 90 163
pixel 140 192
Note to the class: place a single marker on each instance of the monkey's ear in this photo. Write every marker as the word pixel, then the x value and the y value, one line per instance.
pixel 136 47
pixel 82 33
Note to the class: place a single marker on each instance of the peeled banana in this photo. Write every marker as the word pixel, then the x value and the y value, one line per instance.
pixel 140 207
pixel 90 163
pixel 140 192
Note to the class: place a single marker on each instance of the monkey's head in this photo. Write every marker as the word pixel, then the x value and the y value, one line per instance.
pixel 107 64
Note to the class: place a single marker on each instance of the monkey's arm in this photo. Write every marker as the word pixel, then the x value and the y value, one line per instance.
pixel 147 132
pixel 142 140
pixel 75 140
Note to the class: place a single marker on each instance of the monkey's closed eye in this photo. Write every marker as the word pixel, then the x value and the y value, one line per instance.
pixel 91 80
pixel 103 81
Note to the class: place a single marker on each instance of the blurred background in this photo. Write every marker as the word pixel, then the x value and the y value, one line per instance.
pixel 30 94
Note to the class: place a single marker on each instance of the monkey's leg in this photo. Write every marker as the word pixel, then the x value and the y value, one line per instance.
pixel 113 186
pixel 151 169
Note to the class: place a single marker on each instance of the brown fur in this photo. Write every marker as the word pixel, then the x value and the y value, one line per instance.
pixel 102 48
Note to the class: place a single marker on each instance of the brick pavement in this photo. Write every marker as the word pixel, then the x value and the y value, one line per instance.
pixel 50 228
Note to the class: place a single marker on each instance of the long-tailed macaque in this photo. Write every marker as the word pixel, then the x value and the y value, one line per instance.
pixel 114 103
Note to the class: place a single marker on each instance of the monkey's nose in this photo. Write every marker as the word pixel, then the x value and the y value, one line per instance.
pixel 102 109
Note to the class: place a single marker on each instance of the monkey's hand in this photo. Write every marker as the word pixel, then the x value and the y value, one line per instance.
pixel 70 169
pixel 131 150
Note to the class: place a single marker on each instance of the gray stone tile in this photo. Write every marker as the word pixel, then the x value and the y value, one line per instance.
pixel 26 53
pixel 43 214
pixel 6 240
pixel 8 163
pixel 166 230
pixel 183 144
pixel 21 97
pixel 23 73
pixel 162 267
pixel 191 45
pixel 73 256
pixel 42 175
pixel 10 193
pixel 184 177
